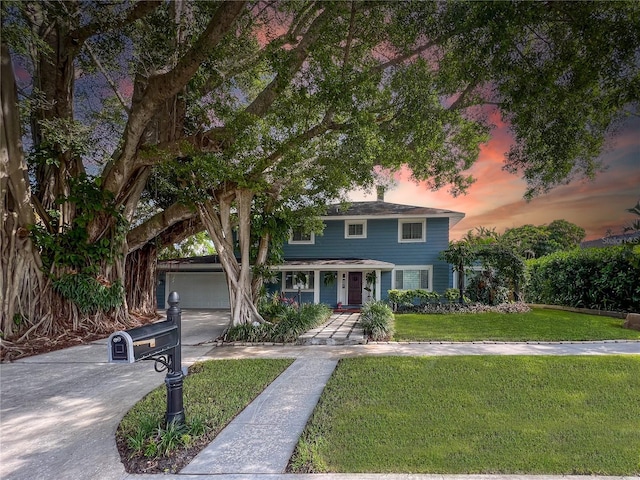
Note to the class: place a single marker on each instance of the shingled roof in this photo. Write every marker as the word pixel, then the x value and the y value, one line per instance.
pixel 382 209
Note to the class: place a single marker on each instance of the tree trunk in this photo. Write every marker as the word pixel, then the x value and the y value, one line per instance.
pixel 217 220
pixel 461 282
pixel 54 77
pixel 141 279
pixel 23 289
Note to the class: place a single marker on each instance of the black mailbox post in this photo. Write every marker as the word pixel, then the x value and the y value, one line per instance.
pixel 161 342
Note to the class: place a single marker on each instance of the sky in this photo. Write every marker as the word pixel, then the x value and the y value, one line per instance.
pixel 496 198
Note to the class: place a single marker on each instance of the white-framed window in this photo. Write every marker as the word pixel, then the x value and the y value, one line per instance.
pixel 355 229
pixel 413 277
pixel 292 279
pixel 299 237
pixel 469 273
pixel 412 230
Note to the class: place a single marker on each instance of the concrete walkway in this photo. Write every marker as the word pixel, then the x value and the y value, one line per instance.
pixel 59 411
pixel 267 431
pixel 340 329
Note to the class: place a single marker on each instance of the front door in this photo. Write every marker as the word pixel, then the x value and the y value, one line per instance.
pixel 355 288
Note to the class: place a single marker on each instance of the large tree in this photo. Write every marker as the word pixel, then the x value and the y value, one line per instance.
pixel 255 109
pixel 531 241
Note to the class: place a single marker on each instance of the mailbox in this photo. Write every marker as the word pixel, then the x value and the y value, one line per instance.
pixel 142 342
pixel 160 342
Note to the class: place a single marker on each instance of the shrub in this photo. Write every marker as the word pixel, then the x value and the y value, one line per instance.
pixel 285 328
pixel 598 278
pixel 400 299
pixel 453 295
pixel 446 308
pixel 377 320
pixel 275 307
pixel 487 287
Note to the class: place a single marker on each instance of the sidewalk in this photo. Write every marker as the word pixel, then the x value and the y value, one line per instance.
pixel 59 411
pixel 262 438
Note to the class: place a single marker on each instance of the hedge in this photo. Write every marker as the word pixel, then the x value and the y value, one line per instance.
pixel 597 278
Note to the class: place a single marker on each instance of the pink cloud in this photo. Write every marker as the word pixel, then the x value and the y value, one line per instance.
pixel 495 200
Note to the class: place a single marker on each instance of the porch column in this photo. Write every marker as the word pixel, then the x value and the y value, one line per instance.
pixel 378 285
pixel 316 286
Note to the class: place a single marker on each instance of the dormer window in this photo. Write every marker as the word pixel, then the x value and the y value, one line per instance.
pixel 412 230
pixel 355 229
pixel 299 237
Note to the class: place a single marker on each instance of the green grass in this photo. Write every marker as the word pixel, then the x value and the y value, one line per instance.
pixel 536 325
pixel 214 392
pixel 477 414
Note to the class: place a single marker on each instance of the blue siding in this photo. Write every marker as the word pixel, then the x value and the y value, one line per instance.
pixel 328 293
pixel 381 244
pixel 385 280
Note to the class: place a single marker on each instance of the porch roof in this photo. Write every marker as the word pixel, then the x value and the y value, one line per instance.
pixel 336 264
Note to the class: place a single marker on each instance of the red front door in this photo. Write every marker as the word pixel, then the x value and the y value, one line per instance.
pixel 355 288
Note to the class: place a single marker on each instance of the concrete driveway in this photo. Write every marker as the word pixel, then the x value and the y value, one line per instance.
pixel 59 411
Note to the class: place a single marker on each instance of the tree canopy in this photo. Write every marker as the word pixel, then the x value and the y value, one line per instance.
pixel 502 256
pixel 230 115
pixel 531 241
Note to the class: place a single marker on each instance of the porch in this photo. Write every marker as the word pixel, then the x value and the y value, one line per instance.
pixel 344 284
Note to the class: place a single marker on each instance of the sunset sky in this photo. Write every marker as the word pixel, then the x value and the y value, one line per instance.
pixel 496 199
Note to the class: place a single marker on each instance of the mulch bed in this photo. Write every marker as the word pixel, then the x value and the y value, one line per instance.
pixel 178 459
pixel 36 346
pixel 10 350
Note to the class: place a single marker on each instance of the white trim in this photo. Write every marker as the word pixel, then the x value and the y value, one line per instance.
pixel 190 267
pixel 429 268
pixel 311 241
pixel 347 223
pixel 342 287
pixel 335 267
pixel 316 286
pixel 422 221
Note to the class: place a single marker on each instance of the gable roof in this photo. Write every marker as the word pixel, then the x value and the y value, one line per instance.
pixel 381 209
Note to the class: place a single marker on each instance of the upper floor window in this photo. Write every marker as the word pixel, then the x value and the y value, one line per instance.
pixel 355 229
pixel 412 230
pixel 302 238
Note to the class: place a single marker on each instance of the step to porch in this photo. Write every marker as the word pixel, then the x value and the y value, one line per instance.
pixel 342 328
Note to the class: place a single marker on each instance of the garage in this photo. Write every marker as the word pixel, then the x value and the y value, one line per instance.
pixel 198 289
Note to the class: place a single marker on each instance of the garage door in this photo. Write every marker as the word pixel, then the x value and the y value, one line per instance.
pixel 199 289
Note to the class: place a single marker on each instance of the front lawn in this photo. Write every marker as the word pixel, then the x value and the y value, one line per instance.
pixel 477 414
pixel 215 392
pixel 536 325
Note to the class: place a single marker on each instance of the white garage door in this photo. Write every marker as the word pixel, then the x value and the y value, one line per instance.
pixel 199 289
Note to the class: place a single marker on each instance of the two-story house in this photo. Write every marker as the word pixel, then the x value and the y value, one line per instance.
pixel 363 252
pixel 366 250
